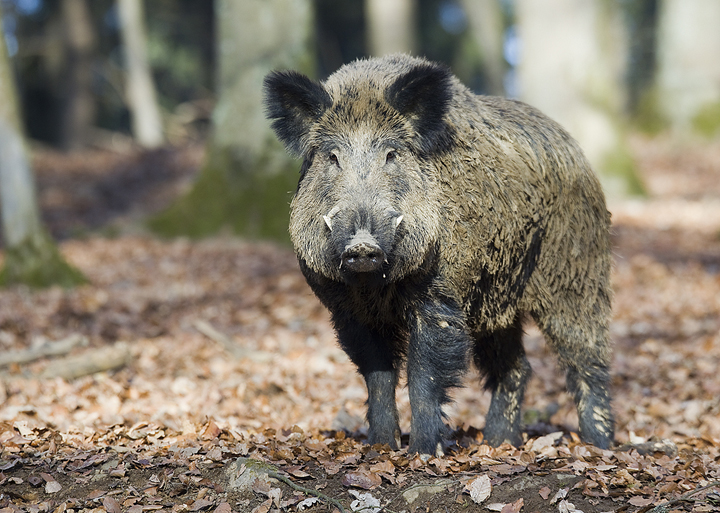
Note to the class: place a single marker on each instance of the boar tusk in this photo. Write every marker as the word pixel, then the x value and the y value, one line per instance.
pixel 398 220
pixel 328 222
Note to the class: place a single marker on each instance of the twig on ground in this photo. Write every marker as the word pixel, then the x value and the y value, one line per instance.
pixel 89 362
pixel 307 491
pixel 227 343
pixel 57 348
pixel 663 508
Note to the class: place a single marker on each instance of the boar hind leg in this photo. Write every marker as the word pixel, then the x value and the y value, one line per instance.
pixel 500 356
pixel 436 360
pixel 376 361
pixel 584 352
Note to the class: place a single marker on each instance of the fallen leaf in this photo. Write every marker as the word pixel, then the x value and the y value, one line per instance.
pixel 211 431
pixel 201 504
pixel 111 505
pixel 479 488
pixel 545 492
pixel 641 501
pixel 307 503
pixel 495 506
pixel 52 487
pixel 223 507
pixel 364 502
pixel 560 494
pixel 362 479
pixel 514 507
pixel 264 507
pixel 568 507
pixel 542 442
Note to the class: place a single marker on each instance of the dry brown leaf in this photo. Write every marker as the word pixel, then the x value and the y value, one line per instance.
pixel 111 505
pixel 223 507
pixel 362 479
pixel 264 507
pixel 545 492
pixel 513 507
pixel 641 501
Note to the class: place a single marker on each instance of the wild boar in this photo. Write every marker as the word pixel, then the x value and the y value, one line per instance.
pixel 431 221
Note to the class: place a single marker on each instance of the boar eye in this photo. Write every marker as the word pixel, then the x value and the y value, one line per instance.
pixel 391 156
pixel 334 159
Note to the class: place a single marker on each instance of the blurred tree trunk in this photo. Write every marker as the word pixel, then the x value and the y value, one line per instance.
pixel 139 86
pixel 391 26
pixel 688 74
pixel 78 107
pixel 572 68
pixel 31 256
pixel 247 178
pixel 487 28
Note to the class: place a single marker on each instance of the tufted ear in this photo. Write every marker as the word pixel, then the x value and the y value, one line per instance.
pixel 294 102
pixel 423 96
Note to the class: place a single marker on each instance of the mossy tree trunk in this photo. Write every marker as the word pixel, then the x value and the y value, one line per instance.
pixel 31 256
pixel 247 179
pixel 572 67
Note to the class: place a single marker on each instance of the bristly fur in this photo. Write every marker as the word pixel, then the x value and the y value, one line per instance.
pixel 293 101
pixel 478 211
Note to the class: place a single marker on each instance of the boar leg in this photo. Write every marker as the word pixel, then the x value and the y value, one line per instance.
pixel 584 351
pixel 500 356
pixel 436 360
pixel 376 361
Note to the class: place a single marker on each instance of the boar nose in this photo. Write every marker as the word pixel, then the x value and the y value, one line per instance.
pixel 362 254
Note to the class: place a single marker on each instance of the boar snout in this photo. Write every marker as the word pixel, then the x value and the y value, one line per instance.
pixel 363 254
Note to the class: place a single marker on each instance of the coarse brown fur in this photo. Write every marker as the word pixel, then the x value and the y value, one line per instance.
pixel 483 210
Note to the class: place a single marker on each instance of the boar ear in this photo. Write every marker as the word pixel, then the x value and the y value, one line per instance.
pixel 294 102
pixel 423 96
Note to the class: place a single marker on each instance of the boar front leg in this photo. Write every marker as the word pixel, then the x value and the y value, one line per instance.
pixel 437 357
pixel 376 360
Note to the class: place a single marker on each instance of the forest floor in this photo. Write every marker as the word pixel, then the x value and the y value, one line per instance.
pixel 205 376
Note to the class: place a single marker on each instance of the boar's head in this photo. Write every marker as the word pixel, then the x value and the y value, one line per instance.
pixel 367 207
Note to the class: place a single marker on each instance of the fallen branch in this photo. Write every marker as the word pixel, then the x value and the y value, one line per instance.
pixel 89 362
pixel 306 491
pixel 57 348
pixel 228 344
pixel 663 508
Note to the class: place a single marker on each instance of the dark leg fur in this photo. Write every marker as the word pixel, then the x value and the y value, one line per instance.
pixel 501 357
pixel 590 389
pixel 437 357
pixel 377 362
pixel 585 354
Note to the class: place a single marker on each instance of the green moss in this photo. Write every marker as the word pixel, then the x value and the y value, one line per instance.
pixel 649 118
pixel 250 199
pixel 707 121
pixel 36 262
pixel 620 164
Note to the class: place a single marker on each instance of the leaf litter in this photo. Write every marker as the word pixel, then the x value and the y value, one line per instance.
pixel 268 383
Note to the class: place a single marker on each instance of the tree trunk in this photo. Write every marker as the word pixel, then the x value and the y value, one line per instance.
pixel 247 178
pixel 78 104
pixel 572 68
pixel 487 28
pixel 688 75
pixel 140 88
pixel 31 257
pixel 390 26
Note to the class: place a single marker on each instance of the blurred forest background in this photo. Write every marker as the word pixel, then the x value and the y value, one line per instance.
pixel 125 74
